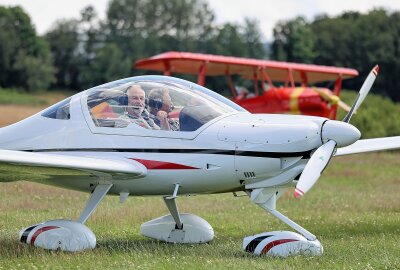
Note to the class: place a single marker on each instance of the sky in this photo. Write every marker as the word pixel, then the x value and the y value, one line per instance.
pixel 44 13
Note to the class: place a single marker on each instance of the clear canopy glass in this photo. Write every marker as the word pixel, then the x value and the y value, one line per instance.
pixel 156 102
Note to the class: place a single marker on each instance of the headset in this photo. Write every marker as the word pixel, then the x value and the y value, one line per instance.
pixel 155 103
pixel 123 100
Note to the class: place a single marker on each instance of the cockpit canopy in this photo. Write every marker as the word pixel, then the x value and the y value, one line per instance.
pixel 157 103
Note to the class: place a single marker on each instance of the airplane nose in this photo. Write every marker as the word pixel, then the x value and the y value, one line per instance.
pixel 342 133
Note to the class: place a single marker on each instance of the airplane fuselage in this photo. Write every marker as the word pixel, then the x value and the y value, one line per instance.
pixel 224 155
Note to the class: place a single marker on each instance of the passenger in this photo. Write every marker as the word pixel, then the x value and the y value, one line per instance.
pixel 243 93
pixel 160 105
pixel 135 108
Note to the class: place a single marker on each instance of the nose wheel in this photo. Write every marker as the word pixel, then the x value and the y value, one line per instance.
pixel 280 243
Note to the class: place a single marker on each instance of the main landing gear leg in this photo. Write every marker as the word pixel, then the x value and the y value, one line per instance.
pixel 266 199
pixel 280 243
pixel 98 194
pixel 176 227
pixel 173 209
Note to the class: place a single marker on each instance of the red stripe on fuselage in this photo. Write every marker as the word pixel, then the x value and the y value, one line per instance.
pixel 276 243
pixel 36 234
pixel 161 165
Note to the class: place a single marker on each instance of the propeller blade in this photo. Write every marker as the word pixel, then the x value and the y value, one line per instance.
pixel 326 95
pixel 344 106
pixel 331 98
pixel 314 168
pixel 363 93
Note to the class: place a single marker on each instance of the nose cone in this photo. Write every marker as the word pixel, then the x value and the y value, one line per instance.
pixel 342 133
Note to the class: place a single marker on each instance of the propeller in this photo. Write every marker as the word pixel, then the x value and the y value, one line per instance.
pixel 334 133
pixel 332 99
pixel 363 93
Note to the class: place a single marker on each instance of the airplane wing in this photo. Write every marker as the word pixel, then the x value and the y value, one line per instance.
pixel 219 65
pixel 21 165
pixel 370 145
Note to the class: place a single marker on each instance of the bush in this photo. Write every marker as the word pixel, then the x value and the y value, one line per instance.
pixel 377 117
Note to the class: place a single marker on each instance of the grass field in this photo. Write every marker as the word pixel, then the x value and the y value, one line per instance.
pixel 15 106
pixel 354 210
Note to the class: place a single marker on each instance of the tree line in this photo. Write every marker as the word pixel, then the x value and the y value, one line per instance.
pixel 86 51
pixel 352 39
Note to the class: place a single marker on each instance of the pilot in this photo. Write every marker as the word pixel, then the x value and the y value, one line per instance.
pixel 160 105
pixel 135 109
pixel 243 93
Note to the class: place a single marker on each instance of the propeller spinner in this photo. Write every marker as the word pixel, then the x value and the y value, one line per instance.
pixel 334 133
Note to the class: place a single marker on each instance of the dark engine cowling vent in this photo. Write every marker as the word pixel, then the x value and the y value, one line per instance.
pixel 249 174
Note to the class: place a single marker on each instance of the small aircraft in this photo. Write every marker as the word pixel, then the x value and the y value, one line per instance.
pixel 86 143
pixel 285 87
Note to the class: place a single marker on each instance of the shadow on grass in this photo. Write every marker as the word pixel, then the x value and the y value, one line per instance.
pixel 224 248
pixel 230 247
pixel 12 248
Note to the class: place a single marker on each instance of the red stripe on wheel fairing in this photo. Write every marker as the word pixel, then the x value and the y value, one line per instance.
pixel 276 243
pixel 38 232
pixel 161 165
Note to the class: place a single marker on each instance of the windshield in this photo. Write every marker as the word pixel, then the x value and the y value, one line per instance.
pixel 157 103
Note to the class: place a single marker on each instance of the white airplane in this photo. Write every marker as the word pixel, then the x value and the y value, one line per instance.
pixel 86 143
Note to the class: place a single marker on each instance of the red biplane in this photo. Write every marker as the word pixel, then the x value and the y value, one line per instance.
pixel 285 87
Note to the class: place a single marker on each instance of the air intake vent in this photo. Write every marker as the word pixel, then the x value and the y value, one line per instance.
pixel 249 175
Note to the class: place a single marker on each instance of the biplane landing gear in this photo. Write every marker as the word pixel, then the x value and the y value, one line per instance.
pixel 176 227
pixel 66 235
pixel 280 243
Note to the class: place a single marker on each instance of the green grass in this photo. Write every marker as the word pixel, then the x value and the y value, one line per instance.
pixel 12 96
pixel 16 97
pixel 354 210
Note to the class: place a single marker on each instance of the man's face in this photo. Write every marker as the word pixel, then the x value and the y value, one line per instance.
pixel 136 97
pixel 167 103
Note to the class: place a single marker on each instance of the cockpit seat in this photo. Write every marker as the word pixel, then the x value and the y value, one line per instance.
pixel 193 117
pixel 103 111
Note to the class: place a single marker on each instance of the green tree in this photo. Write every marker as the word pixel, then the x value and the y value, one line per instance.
pixel 25 58
pixel 252 39
pixel 34 72
pixel 88 51
pixel 146 27
pixel 109 64
pixel 74 45
pixel 360 41
pixel 229 41
pixel 293 41
pixel 63 39
pixel 352 40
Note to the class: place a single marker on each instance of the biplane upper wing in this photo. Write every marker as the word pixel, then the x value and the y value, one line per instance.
pixel 218 65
